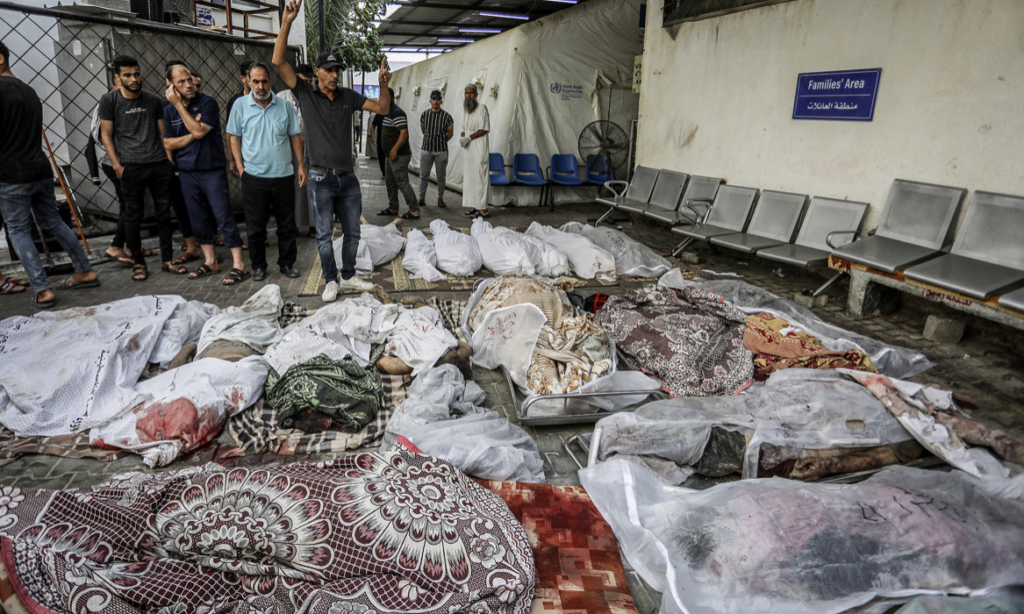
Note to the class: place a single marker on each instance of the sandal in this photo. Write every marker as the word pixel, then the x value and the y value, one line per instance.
pixel 202 271
pixel 11 286
pixel 170 267
pixel 471 212
pixel 236 277
pixel 146 253
pixel 123 258
pixel 387 212
pixel 43 304
pixel 410 216
pixel 440 203
pixel 73 284
pixel 139 273
pixel 481 214
pixel 186 258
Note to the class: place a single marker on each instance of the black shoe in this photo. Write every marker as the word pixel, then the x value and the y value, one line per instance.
pixel 259 274
pixel 422 203
pixel 288 271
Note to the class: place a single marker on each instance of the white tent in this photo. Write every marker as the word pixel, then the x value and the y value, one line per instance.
pixel 542 82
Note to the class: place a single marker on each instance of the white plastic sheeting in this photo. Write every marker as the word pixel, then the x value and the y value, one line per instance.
pixel 377 245
pixel 185 408
pixel 442 417
pixel 457 252
pixel 67 371
pixel 254 323
pixel 631 257
pixel 586 258
pixel 420 257
pixel 890 360
pixel 803 408
pixel 184 326
pixel 775 545
pixel 503 253
pixel 542 82
pixel 364 260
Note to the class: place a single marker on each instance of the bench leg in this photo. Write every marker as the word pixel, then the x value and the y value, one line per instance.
pixel 679 248
pixel 828 284
pixel 868 299
pixel 604 217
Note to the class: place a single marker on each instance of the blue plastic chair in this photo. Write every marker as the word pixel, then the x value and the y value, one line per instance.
pixel 598 169
pixel 526 171
pixel 496 164
pixel 564 170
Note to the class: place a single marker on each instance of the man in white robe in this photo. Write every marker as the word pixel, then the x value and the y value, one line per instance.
pixel 476 180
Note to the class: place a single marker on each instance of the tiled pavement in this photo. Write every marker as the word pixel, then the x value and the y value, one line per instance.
pixel 986 366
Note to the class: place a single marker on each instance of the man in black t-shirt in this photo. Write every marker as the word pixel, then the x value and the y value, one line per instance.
pixel 26 188
pixel 376 130
pixel 333 187
pixel 132 127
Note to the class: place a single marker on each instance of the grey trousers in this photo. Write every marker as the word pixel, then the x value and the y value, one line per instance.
pixel 396 177
pixel 439 160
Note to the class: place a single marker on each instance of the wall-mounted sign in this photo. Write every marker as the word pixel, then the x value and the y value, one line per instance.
pixel 204 16
pixel 847 95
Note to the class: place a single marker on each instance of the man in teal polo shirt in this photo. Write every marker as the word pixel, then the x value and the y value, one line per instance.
pixel 264 135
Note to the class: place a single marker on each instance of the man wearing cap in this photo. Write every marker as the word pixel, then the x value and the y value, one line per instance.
pixel 476 180
pixel 333 187
pixel 395 139
pixel 437 126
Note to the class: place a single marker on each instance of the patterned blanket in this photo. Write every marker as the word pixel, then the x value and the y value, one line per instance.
pixel 689 338
pixel 393 531
pixel 776 346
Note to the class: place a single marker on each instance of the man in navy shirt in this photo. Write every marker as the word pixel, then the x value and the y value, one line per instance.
pixel 192 138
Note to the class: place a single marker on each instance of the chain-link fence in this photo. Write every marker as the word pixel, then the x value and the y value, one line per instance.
pixel 63 55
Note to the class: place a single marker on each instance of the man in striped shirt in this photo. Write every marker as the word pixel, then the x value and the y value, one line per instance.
pixel 395 141
pixel 437 126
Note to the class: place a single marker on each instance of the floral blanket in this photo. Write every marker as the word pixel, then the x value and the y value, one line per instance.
pixel 392 531
pixel 776 345
pixel 689 338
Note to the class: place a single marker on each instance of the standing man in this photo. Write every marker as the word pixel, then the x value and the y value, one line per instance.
pixel 395 139
pixel 476 177
pixel 264 135
pixel 192 139
pixel 437 126
pixel 26 188
pixel 303 208
pixel 327 115
pixel 376 126
pixel 178 206
pixel 243 76
pixel 131 122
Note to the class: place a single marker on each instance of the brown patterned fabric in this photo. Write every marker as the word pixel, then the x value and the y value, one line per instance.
pixel 689 338
pixel 579 568
pixel 775 347
pixel 68 446
pixel 392 531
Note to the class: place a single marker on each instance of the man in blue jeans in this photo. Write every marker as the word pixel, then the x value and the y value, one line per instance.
pixel 26 187
pixel 327 117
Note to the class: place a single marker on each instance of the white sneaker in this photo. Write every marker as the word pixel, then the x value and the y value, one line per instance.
pixel 355 284
pixel 330 292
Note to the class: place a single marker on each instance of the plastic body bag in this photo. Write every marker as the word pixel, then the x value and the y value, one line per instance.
pixel 184 326
pixel 457 253
pixel 587 259
pixel 442 417
pixel 631 257
pixel 890 360
pixel 420 258
pixel 383 242
pixel 254 323
pixel 503 253
pixel 364 261
pixel 776 545
pixel 548 259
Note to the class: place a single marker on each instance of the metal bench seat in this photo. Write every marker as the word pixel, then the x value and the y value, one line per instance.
pixel 728 214
pixel 696 200
pixel 1013 300
pixel 988 254
pixel 637 191
pixel 916 224
pixel 773 223
pixel 828 224
pixel 664 197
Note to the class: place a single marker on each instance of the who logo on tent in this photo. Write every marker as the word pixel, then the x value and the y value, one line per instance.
pixel 556 88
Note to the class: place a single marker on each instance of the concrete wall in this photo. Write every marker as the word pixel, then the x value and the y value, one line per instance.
pixel 717 96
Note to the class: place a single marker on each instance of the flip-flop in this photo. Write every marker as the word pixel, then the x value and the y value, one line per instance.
pixel 176 269
pixel 236 277
pixel 43 304
pixel 202 271
pixel 481 214
pixel 73 284
pixel 387 212
pixel 186 258
pixel 11 286
pixel 471 212
pixel 410 216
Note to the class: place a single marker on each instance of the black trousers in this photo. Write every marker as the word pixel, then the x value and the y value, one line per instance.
pixel 135 180
pixel 177 203
pixel 263 197
pixel 119 234
pixel 381 157
pixel 180 210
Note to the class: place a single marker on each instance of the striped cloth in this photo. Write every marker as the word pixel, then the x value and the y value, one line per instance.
pixel 435 137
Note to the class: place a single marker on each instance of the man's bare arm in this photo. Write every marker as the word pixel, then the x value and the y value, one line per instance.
pixel 291 11
pixel 176 143
pixel 297 143
pixel 235 147
pixel 107 136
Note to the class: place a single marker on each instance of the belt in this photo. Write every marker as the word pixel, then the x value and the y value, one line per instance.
pixel 329 171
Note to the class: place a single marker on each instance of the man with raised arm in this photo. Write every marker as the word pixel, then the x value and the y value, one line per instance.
pixel 333 187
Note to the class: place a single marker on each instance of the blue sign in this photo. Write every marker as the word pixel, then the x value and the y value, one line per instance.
pixel 847 95
pixel 204 16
